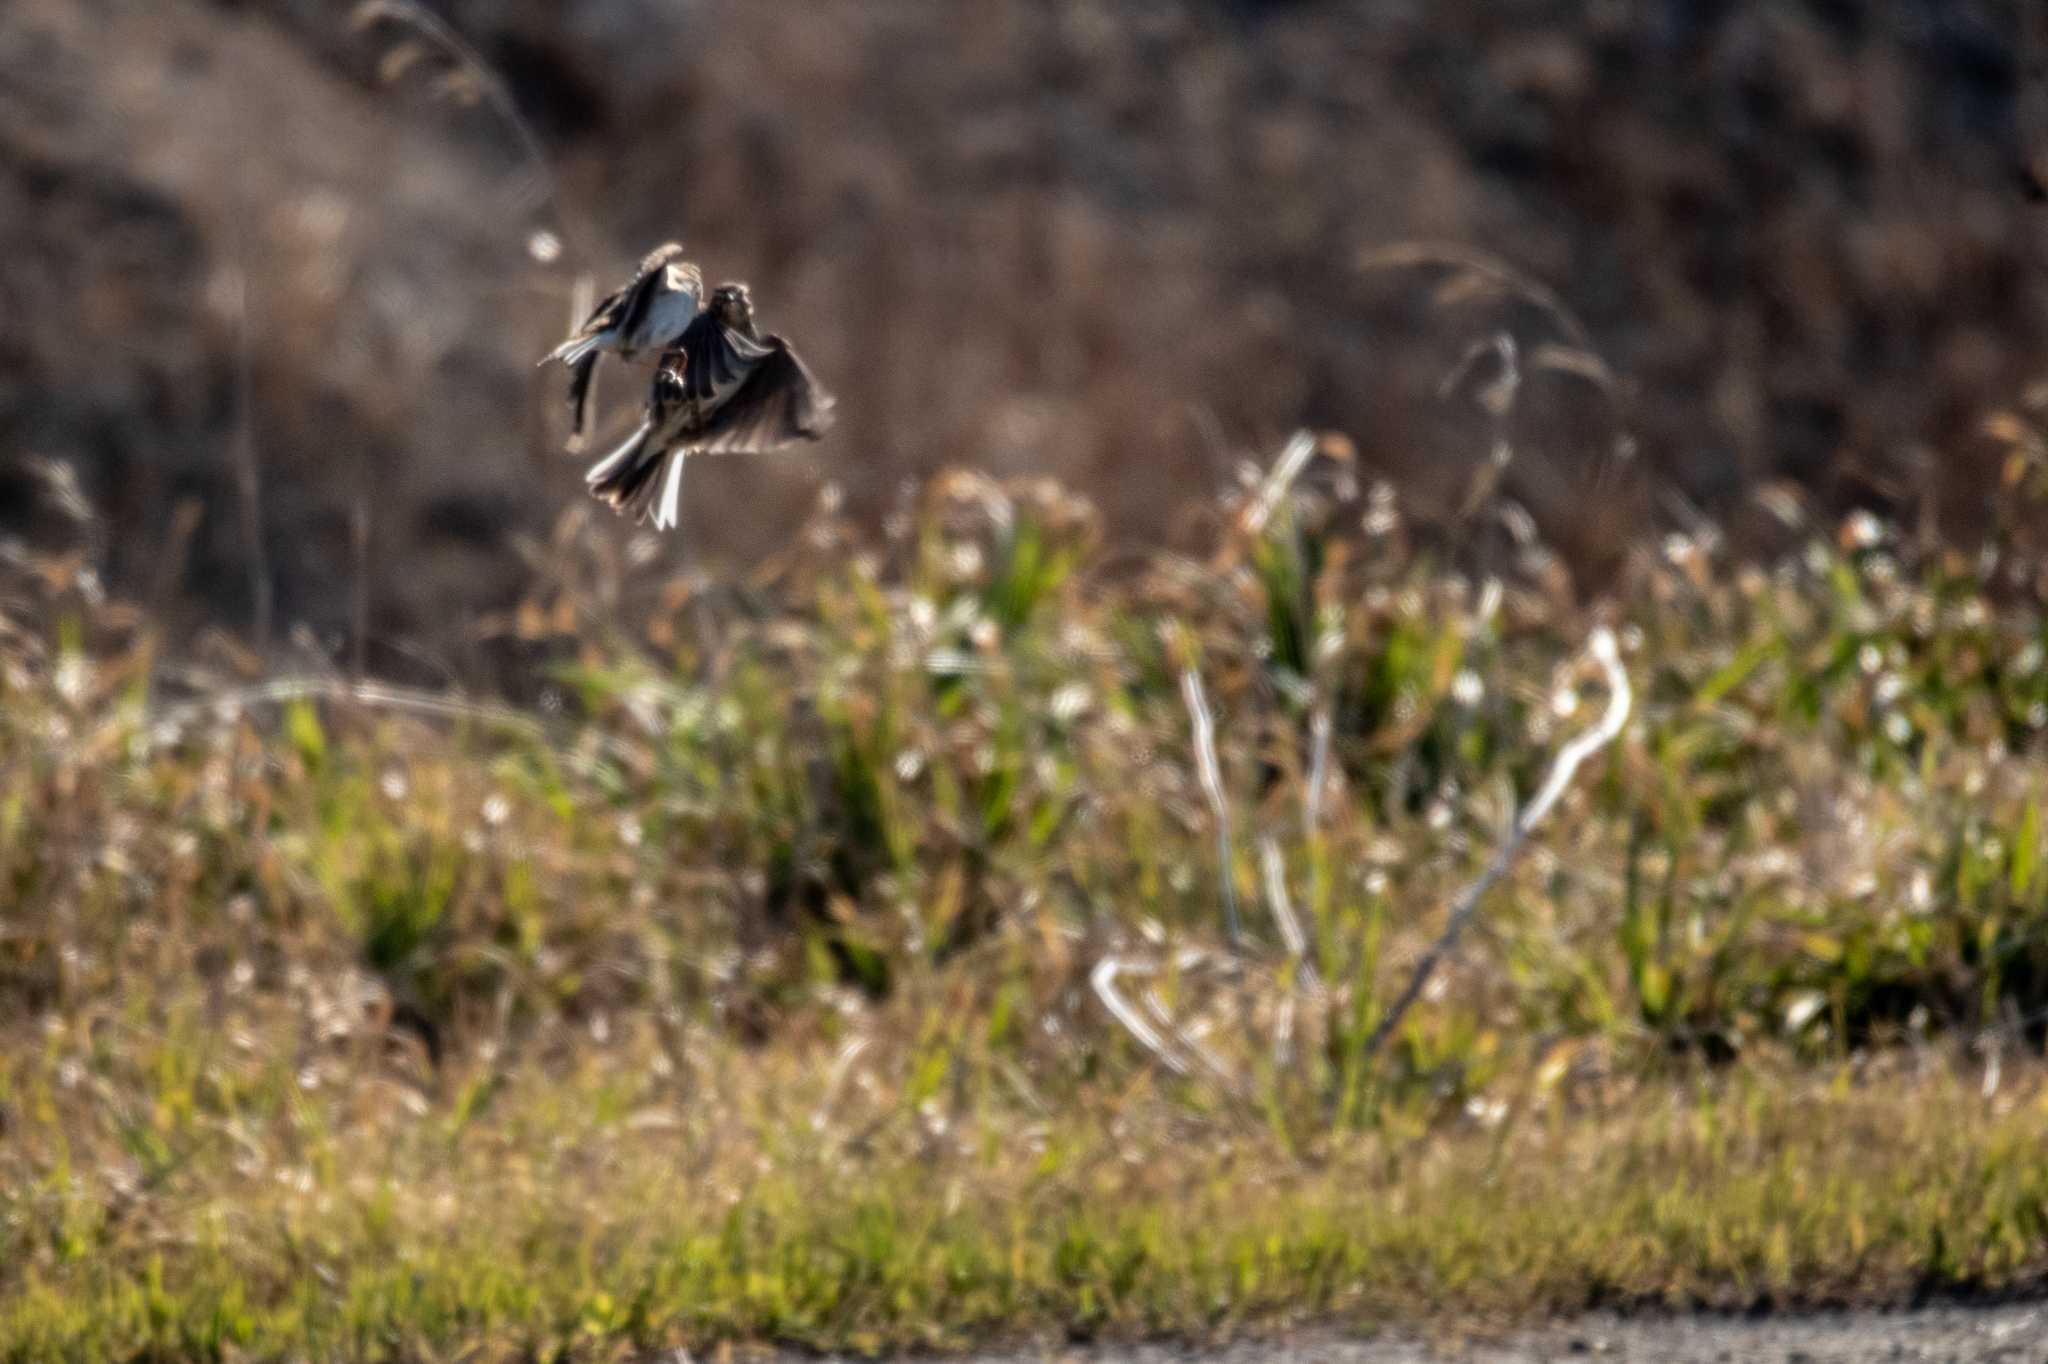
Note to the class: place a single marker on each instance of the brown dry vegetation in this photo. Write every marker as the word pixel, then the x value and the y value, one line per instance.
pixel 1113 244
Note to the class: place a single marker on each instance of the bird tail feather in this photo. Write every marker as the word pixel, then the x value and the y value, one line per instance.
pixel 607 470
pixel 670 512
pixel 626 478
pixel 573 350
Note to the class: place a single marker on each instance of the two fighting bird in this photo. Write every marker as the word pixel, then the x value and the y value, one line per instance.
pixel 721 388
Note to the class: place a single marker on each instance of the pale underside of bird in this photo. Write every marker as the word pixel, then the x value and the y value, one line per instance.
pixel 721 389
pixel 650 313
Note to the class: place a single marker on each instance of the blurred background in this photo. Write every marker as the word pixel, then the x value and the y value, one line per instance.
pixel 274 274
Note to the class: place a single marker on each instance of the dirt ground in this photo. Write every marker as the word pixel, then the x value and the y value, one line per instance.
pixel 1951 1334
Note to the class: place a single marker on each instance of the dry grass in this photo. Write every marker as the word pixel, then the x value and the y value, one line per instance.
pixel 743 991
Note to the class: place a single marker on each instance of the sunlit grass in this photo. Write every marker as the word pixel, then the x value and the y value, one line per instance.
pixel 596 1212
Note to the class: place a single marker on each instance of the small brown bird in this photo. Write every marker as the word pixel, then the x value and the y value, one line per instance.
pixel 650 313
pixel 721 389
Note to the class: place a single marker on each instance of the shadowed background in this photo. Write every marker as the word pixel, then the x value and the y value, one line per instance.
pixel 266 288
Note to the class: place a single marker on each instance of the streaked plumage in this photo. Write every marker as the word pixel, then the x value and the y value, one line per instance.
pixel 650 313
pixel 722 389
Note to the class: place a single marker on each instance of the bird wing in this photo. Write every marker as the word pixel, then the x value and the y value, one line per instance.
pixel 580 376
pixel 621 310
pixel 626 307
pixel 660 256
pixel 588 337
pixel 633 301
pixel 777 402
pixel 716 360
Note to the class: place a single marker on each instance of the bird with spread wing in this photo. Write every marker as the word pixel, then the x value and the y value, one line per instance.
pixel 650 313
pixel 722 389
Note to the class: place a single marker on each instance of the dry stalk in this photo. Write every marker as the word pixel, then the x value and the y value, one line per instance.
pixel 1318 770
pixel 164 726
pixel 1506 278
pixel 1274 875
pixel 841 1064
pixel 1210 773
pixel 248 464
pixel 1569 759
pixel 370 695
pixel 483 78
pixel 1293 459
pixel 1168 1041
pixel 1102 980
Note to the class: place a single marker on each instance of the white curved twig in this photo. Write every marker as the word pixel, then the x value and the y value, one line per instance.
pixel 1103 981
pixel 1569 759
pixel 1210 774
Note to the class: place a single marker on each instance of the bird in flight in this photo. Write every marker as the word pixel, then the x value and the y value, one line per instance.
pixel 722 388
pixel 650 313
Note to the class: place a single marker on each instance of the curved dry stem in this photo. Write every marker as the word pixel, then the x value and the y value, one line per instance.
pixel 168 724
pixel 489 85
pixel 1102 980
pixel 1582 359
pixel 1569 758
pixel 1210 772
